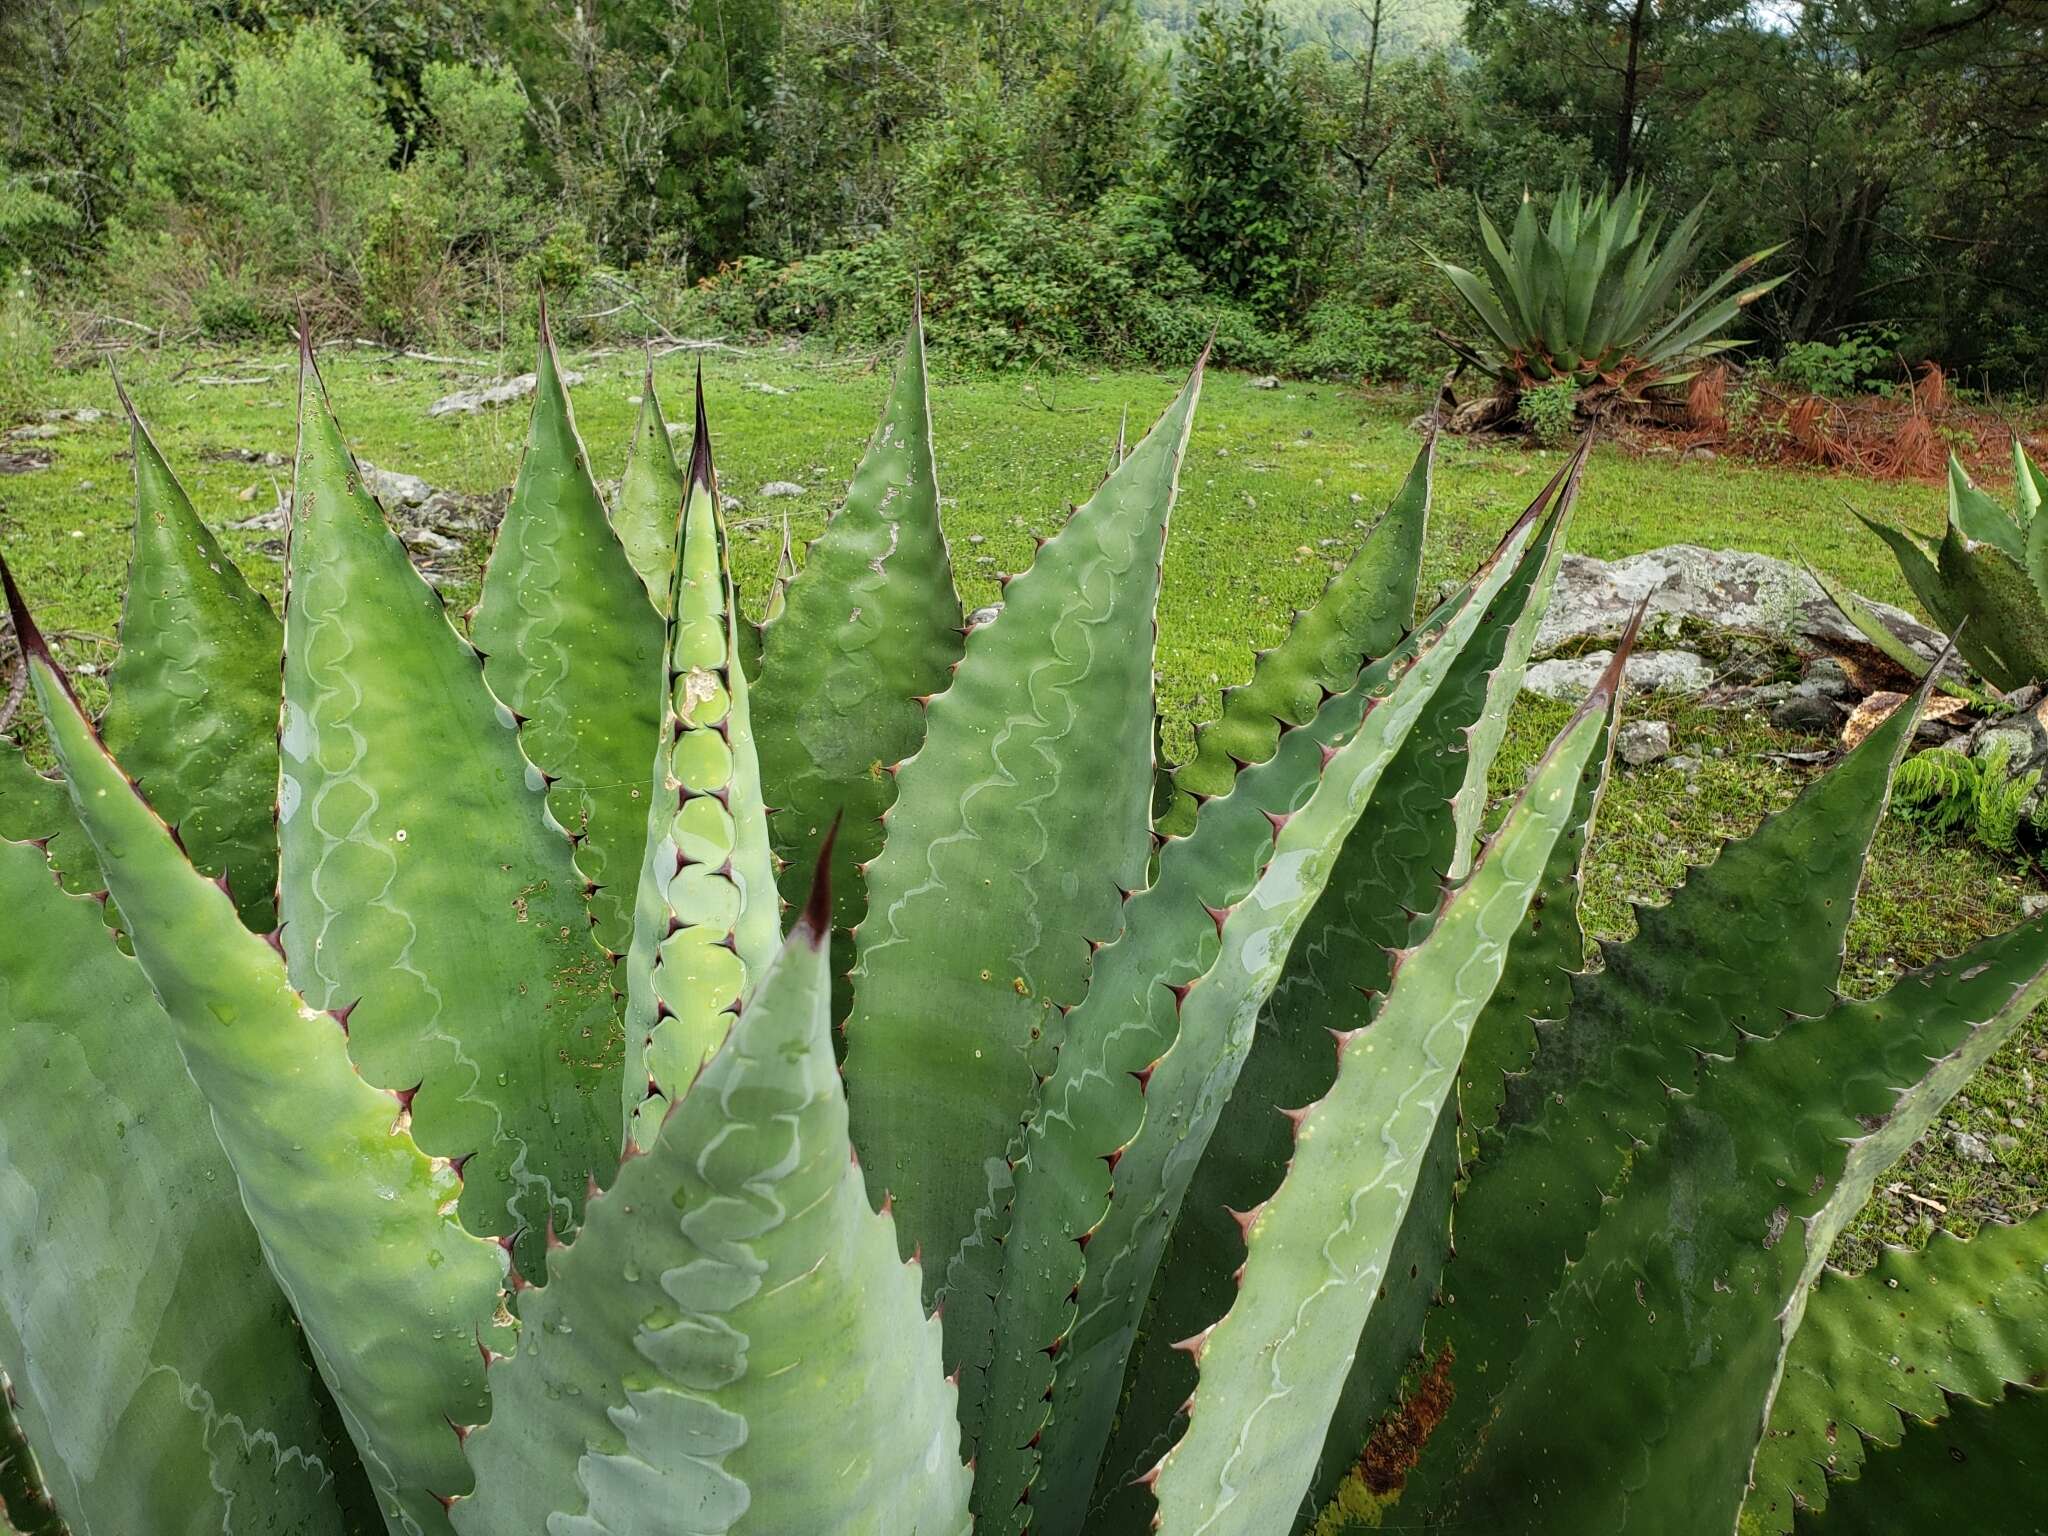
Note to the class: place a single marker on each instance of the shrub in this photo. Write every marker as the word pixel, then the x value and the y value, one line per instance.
pixel 1550 411
pixel 1241 168
pixel 1344 338
pixel 1861 361
pixel 265 181
pixel 404 267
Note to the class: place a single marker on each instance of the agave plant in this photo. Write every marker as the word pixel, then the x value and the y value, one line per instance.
pixel 1592 299
pixel 1986 582
pixel 410 1176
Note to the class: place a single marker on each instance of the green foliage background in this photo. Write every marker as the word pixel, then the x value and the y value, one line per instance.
pixel 1081 180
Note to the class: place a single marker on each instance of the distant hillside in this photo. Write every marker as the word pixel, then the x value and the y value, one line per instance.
pixel 1409 24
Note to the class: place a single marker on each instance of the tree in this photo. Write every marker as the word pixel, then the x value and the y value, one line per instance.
pixel 1240 166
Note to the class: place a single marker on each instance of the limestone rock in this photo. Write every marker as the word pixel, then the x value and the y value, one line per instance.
pixel 465 402
pixel 1720 589
pixel 1570 680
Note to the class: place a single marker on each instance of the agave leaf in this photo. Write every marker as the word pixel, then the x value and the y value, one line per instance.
pixel 1391 867
pixel 1693 1285
pixel 1879 634
pixel 2029 482
pixel 731 1343
pixel 571 649
pixel 1595 1092
pixel 424 885
pixel 707 919
pixel 1194 1053
pixel 1879 1350
pixel 1363 612
pixel 37 810
pixel 868 629
pixel 26 1508
pixel 2006 637
pixel 1483 303
pixel 1683 332
pixel 1535 988
pixel 1982 1469
pixel 2032 488
pixel 1981 519
pixel 1316 1252
pixel 357 1223
pixel 188 1406
pixel 192 710
pixel 651 498
pixel 1692 340
pixel 1016 830
pixel 1922 575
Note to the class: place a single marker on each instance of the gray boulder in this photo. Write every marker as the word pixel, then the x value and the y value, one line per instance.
pixel 1718 589
pixel 466 402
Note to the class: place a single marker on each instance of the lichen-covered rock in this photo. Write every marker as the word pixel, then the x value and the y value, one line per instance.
pixel 1718 589
pixel 1569 680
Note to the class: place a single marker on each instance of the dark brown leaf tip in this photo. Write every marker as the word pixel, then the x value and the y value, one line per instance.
pixel 26 635
pixel 1610 680
pixel 703 476
pixel 816 922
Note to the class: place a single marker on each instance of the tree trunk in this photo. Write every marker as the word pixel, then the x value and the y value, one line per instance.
pixel 1625 124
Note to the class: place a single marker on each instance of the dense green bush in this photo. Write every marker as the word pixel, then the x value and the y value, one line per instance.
pixel 1861 361
pixel 1240 167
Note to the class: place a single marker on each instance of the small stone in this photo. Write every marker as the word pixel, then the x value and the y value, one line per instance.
pixel 1268 381
pixel 1356 499
pixel 1642 742
pixel 1809 713
pixel 26 434
pixel 1703 454
pixel 2033 903
pixel 777 488
pixel 1972 1146
pixel 429 542
pixel 986 615
pixel 1826 676
pixel 2021 738
pixel 2006 1143
pixel 977 538
pixel 765 389
pixel 1687 765
pixel 728 502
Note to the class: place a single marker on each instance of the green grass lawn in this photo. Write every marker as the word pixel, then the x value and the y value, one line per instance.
pixel 1278 485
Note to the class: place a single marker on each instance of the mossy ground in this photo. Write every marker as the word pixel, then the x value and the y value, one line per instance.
pixel 1278 484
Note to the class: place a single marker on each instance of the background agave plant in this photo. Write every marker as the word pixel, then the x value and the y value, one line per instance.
pixel 472 1196
pixel 1986 583
pixel 1589 298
